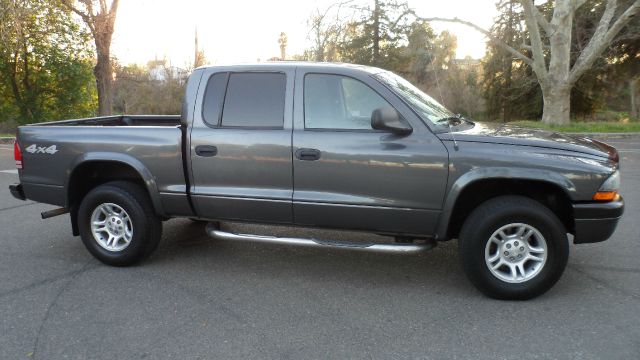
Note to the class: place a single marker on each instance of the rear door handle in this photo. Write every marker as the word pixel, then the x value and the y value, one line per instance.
pixel 308 154
pixel 206 150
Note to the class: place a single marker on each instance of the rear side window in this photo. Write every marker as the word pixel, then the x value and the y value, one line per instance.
pixel 245 100
pixel 213 97
pixel 254 100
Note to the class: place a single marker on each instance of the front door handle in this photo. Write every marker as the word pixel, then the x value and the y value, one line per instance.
pixel 308 154
pixel 206 150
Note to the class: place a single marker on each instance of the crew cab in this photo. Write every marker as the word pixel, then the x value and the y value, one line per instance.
pixel 328 146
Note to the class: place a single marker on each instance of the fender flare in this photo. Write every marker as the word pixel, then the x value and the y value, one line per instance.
pixel 497 173
pixel 124 159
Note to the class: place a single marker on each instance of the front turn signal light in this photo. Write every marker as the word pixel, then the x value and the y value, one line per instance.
pixel 606 196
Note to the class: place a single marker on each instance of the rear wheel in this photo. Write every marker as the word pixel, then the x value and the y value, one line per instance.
pixel 513 247
pixel 118 224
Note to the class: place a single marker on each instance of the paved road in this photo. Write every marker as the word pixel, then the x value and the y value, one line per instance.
pixel 204 298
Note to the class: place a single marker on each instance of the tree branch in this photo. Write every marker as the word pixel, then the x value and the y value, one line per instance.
pixel 488 34
pixel 602 37
pixel 543 22
pixel 84 16
pixel 579 3
pixel 539 65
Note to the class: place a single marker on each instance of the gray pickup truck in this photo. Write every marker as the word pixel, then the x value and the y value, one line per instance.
pixel 328 146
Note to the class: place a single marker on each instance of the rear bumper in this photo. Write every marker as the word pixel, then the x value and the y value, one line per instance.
pixel 17 191
pixel 595 222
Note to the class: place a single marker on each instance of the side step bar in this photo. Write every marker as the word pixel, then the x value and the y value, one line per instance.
pixel 407 248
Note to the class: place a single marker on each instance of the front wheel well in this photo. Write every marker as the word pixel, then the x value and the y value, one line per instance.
pixel 474 194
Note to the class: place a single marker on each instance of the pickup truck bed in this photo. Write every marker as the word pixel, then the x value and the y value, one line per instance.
pixel 153 150
pixel 119 120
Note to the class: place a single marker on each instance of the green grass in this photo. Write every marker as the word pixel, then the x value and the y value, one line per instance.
pixel 584 127
pixel 7 135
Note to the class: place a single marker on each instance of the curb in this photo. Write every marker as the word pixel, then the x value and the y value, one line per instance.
pixel 7 140
pixel 608 135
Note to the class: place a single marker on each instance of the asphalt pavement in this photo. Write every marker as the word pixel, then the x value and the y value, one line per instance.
pixel 201 298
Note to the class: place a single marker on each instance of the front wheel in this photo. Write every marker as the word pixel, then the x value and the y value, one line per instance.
pixel 117 223
pixel 513 247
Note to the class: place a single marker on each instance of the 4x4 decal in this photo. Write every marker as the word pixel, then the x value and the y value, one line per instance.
pixel 35 149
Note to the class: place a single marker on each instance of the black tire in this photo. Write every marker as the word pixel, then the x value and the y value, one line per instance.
pixel 146 225
pixel 491 216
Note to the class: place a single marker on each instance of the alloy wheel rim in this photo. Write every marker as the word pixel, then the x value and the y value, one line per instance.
pixel 516 253
pixel 111 227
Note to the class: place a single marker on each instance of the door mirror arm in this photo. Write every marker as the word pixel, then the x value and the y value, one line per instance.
pixel 388 119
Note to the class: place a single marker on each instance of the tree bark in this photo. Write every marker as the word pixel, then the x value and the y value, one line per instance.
pixel 101 24
pixel 633 93
pixel 376 33
pixel 557 105
pixel 104 81
pixel 559 77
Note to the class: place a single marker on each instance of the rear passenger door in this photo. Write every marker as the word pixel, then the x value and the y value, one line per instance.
pixel 241 145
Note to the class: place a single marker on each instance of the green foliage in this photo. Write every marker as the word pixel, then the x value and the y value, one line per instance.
pixel 152 89
pixel 379 36
pixel 45 63
pixel 510 87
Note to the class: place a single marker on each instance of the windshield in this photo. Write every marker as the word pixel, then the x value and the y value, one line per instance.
pixel 424 104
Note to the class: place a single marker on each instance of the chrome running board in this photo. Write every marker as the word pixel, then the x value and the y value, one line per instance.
pixel 407 248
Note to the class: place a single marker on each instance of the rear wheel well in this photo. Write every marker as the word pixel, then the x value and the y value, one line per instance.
pixel 89 175
pixel 474 194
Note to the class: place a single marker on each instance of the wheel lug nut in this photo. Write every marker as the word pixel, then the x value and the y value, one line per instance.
pixel 512 258
pixel 519 256
pixel 515 243
pixel 521 248
pixel 506 253
pixel 508 246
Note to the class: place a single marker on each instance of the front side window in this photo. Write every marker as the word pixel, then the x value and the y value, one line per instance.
pixel 252 99
pixel 339 102
pixel 424 104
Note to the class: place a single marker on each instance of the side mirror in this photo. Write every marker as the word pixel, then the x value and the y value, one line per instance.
pixel 388 119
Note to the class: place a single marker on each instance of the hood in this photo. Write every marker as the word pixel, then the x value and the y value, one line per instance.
pixel 515 135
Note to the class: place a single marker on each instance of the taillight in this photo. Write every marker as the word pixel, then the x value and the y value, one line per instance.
pixel 17 154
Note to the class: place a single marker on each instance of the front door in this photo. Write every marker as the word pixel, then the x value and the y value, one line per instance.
pixel 241 146
pixel 347 175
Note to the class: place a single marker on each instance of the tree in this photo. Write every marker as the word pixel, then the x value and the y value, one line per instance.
pixel 199 59
pixel 549 50
pixel 282 41
pixel 326 27
pixel 100 19
pixel 45 63
pixel 157 88
pixel 379 36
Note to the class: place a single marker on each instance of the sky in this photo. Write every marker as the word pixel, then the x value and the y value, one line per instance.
pixel 247 31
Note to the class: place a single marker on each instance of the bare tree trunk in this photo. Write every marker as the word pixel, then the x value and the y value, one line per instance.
pixel 376 32
pixel 101 24
pixel 559 77
pixel 104 81
pixel 557 102
pixel 633 93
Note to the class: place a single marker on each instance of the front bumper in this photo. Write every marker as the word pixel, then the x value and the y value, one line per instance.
pixel 595 222
pixel 17 191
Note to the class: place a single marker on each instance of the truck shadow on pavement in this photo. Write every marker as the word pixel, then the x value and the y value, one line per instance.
pixel 186 245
